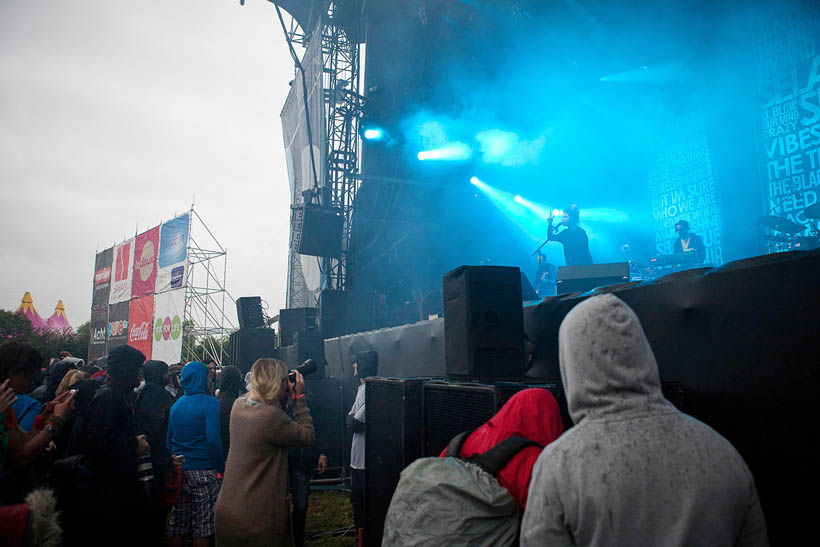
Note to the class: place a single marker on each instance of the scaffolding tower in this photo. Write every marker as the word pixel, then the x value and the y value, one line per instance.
pixel 206 327
pixel 339 31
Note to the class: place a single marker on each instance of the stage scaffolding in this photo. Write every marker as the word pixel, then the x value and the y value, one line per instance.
pixel 206 327
pixel 339 32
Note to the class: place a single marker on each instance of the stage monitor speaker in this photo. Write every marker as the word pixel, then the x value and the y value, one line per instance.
pixel 483 322
pixel 306 345
pixel 317 230
pixel 527 292
pixel 393 428
pixel 248 345
pixel 249 312
pixel 590 276
pixel 332 313
pixel 293 320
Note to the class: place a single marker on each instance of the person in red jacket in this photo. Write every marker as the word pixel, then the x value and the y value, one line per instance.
pixel 532 414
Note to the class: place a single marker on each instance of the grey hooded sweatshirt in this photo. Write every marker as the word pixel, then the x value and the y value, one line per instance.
pixel 634 470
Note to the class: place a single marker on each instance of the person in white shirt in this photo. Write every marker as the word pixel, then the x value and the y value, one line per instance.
pixel 366 364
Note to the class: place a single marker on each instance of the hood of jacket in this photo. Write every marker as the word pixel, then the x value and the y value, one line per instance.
pixel 607 365
pixel 532 413
pixel 194 378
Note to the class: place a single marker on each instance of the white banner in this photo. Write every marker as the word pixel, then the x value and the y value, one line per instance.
pixel 121 272
pixel 168 313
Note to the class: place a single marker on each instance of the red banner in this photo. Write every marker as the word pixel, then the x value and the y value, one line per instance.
pixel 140 316
pixel 146 247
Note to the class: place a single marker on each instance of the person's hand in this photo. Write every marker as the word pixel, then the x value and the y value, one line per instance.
pixel 48 410
pixel 7 396
pixel 321 467
pixel 143 447
pixel 64 404
pixel 298 387
pixel 51 446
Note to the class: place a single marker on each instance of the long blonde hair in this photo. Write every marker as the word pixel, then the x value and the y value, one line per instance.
pixel 266 380
pixel 71 377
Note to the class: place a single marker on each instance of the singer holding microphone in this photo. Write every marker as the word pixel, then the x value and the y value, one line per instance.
pixel 573 237
pixel 253 505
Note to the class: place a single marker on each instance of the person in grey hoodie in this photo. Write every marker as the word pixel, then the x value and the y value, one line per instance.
pixel 634 470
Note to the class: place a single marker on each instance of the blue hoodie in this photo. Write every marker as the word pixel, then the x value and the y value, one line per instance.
pixel 193 426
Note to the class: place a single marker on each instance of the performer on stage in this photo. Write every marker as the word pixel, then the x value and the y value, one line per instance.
pixel 689 242
pixel 574 238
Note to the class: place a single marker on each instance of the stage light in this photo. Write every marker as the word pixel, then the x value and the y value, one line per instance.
pixel 474 181
pixel 374 134
pixel 452 152
pixel 518 199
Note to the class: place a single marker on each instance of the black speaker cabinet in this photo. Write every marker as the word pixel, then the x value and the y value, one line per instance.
pixel 306 345
pixel 293 320
pixel 248 345
pixel 590 276
pixel 324 397
pixel 483 322
pixel 393 426
pixel 249 312
pixel 332 313
pixel 317 230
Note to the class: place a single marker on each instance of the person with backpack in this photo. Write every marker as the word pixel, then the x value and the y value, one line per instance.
pixel 477 488
pixel 634 470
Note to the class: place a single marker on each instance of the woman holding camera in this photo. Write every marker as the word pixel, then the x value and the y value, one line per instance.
pixel 253 504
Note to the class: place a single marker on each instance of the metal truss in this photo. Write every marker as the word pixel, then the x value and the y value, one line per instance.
pixel 343 110
pixel 206 327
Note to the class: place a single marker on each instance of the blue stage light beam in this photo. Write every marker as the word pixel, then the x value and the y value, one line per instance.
pixel 525 219
pixel 508 149
pixel 374 133
pixel 456 151
pixel 664 73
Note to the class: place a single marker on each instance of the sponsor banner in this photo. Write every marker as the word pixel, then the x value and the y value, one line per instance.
pixel 121 272
pixel 173 251
pixel 117 325
pixel 144 274
pixel 99 332
pixel 141 314
pixel 167 330
pixel 102 281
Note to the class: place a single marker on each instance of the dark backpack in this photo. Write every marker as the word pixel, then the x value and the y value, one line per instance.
pixel 454 500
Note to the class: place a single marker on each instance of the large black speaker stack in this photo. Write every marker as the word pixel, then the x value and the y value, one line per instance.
pixel 325 401
pixel 394 439
pixel 483 323
pixel 249 312
pixel 248 345
pixel 317 230
pixel 295 320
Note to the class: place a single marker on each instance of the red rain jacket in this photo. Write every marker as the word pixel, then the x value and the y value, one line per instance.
pixel 532 414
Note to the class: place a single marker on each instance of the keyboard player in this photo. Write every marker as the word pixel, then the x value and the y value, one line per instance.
pixel 687 242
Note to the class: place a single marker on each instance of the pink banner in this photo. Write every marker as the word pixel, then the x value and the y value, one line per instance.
pixel 146 247
pixel 140 316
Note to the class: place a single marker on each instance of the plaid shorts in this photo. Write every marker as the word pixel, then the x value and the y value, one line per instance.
pixel 193 513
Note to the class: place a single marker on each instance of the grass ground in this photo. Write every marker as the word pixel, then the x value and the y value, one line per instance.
pixel 329 511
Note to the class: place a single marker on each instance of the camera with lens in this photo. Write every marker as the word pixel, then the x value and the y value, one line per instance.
pixel 308 367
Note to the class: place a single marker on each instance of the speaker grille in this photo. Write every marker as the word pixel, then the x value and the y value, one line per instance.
pixel 450 409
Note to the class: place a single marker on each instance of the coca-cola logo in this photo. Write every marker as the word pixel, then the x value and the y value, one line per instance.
pixel 117 328
pixel 102 276
pixel 140 333
pixel 145 264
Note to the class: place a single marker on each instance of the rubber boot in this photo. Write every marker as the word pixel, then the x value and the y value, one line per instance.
pixel 360 542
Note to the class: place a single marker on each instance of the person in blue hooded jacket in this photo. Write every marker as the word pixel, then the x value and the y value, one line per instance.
pixel 194 432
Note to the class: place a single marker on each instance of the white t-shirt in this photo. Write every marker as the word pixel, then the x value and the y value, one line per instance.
pixel 357 446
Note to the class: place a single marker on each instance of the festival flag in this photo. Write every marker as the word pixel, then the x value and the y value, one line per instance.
pixel 173 254
pixel 121 284
pixel 144 275
pixel 169 310
pixel 141 313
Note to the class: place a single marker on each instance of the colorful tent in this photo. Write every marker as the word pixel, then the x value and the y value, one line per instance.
pixel 59 321
pixel 26 309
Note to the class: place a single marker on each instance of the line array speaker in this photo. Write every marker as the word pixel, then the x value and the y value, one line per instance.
pixel 249 312
pixel 317 230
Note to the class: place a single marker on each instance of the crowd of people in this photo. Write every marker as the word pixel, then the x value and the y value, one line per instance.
pixel 134 452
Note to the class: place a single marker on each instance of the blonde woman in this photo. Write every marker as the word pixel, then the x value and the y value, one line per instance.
pixel 71 377
pixel 253 504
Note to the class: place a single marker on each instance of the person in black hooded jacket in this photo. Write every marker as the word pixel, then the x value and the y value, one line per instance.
pixel 230 387
pixel 151 409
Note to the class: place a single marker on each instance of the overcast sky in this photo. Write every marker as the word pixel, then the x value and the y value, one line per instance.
pixel 115 115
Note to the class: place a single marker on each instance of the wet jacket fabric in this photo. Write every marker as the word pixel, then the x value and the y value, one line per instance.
pixel 193 426
pixel 532 414
pixel 634 470
pixel 253 504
